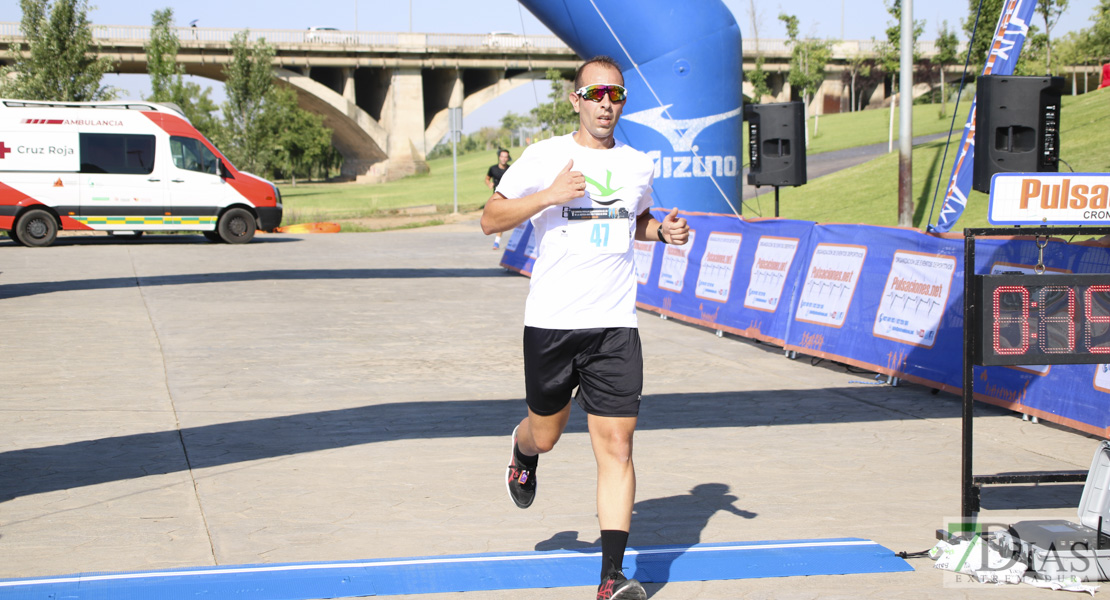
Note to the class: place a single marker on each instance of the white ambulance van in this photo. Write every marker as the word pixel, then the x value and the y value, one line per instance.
pixel 122 167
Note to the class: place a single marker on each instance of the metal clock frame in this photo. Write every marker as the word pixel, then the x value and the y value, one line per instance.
pixel 970 483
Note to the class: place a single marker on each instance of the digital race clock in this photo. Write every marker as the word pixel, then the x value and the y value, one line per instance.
pixel 1043 319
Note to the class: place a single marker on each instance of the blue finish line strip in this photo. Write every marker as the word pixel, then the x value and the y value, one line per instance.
pixel 469 573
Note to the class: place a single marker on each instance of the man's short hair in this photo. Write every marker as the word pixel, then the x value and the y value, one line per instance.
pixel 599 59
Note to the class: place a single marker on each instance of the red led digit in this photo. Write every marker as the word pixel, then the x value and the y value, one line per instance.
pixel 1096 299
pixel 1011 307
pixel 1056 325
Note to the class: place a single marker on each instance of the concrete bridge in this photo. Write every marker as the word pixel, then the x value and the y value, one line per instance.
pixel 386 95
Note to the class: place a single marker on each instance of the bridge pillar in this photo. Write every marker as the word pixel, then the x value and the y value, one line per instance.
pixel 349 84
pixel 457 91
pixel 878 97
pixel 458 94
pixel 403 117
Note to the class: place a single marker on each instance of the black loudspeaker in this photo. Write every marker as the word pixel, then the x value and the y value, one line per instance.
pixel 1017 126
pixel 776 144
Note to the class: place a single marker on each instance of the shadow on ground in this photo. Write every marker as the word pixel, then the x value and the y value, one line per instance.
pixel 17 290
pixel 71 465
pixel 685 516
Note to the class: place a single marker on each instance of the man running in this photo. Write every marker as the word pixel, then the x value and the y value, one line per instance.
pixel 587 196
pixel 493 177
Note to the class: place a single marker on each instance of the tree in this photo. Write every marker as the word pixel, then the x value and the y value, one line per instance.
pixel 493 138
pixel 264 130
pixel 890 51
pixel 513 121
pixel 980 44
pixel 299 138
pixel 167 79
pixel 756 19
pixel 60 64
pixel 1070 51
pixel 859 71
pixel 1033 53
pixel 558 117
pixel 248 81
pixel 1050 10
pixel 199 108
pixel 758 78
pixel 1097 41
pixel 515 124
pixel 808 58
pixel 947 44
pixel 161 57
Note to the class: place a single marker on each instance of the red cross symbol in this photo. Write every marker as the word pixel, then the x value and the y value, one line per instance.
pixel 4 150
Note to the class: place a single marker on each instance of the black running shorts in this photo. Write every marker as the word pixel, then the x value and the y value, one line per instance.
pixel 606 365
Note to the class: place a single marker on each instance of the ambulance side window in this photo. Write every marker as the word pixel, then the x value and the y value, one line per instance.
pixel 115 153
pixel 190 154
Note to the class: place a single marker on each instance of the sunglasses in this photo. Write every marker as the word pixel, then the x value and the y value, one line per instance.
pixel 597 91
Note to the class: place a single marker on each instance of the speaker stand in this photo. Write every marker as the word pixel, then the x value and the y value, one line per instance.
pixel 776 201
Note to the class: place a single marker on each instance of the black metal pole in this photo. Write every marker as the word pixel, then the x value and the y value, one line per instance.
pixel 776 201
pixel 968 505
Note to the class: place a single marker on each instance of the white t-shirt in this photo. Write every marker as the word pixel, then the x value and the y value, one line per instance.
pixel 584 276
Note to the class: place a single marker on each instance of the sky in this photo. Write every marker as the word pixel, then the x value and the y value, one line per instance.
pixel 847 19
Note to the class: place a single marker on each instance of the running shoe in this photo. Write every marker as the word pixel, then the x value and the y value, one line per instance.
pixel 521 480
pixel 617 587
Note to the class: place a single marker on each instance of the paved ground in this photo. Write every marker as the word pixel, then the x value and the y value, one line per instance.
pixel 172 403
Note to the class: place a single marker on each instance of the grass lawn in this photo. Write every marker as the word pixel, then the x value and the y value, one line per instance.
pixel 311 202
pixel 867 193
pixel 863 128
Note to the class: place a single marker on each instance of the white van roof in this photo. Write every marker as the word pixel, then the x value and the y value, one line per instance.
pixel 165 107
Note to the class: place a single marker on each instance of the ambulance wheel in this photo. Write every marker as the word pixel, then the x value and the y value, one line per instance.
pixel 36 228
pixel 236 226
pixel 212 236
pixel 14 238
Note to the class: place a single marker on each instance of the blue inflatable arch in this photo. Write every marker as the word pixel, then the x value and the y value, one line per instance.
pixel 682 67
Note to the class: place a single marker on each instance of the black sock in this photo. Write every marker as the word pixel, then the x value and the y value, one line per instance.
pixel 613 543
pixel 524 460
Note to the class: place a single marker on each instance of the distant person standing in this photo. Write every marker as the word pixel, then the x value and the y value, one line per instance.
pixel 493 177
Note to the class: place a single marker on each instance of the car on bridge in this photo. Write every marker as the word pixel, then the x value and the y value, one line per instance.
pixel 123 167
pixel 329 35
pixel 505 39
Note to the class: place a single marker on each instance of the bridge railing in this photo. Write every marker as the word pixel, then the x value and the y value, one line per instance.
pixel 140 34
pixel 331 38
pixel 840 49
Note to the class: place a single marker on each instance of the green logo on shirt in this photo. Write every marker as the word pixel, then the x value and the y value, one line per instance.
pixel 605 190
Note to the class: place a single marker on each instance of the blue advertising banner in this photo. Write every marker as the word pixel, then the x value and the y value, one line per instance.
pixel 671 54
pixel 520 250
pixel 881 298
pixel 1009 36
pixel 741 274
pixel 886 299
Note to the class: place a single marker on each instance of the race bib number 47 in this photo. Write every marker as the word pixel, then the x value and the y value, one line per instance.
pixel 597 230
